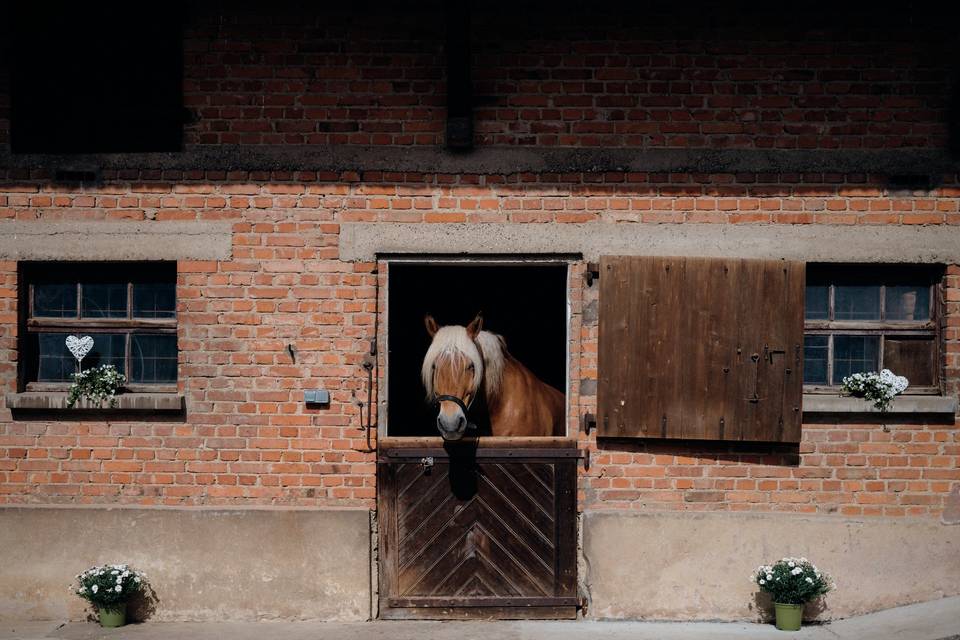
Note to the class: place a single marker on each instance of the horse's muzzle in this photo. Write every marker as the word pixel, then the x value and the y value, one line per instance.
pixel 452 427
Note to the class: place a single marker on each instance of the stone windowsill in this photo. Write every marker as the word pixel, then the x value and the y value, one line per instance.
pixel 57 401
pixel 824 403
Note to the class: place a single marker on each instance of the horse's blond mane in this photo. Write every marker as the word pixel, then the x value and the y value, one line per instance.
pixel 494 349
pixel 447 342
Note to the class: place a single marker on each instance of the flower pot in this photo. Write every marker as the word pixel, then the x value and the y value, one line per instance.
pixel 113 617
pixel 788 616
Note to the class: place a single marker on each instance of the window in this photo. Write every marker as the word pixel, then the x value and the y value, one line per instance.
pixel 867 318
pixel 128 309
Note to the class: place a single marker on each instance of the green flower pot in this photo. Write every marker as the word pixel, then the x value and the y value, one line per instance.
pixel 113 617
pixel 788 616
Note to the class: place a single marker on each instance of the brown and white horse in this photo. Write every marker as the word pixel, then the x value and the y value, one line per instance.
pixel 463 362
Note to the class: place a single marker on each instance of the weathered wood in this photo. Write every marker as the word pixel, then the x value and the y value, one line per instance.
pixel 477 536
pixel 421 442
pixel 565 612
pixel 699 348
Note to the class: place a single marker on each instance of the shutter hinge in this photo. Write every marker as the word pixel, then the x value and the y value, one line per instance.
pixel 590 422
pixel 592 273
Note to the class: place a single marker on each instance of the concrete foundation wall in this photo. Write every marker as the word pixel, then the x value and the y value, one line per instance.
pixel 202 564
pixel 696 566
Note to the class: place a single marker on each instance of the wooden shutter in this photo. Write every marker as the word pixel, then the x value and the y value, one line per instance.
pixel 700 348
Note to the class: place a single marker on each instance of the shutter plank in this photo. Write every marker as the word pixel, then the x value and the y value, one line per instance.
pixel 794 298
pixel 678 338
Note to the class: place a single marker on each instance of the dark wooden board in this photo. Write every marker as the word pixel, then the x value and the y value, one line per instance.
pixel 701 349
pixel 468 536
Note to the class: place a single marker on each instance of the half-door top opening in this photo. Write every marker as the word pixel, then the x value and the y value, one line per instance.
pixel 521 380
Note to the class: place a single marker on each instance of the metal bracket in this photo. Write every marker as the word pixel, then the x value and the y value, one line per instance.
pixel 586 459
pixel 426 462
pixel 592 273
pixel 589 422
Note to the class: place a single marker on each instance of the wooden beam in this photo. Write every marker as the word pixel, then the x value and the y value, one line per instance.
pixel 459 130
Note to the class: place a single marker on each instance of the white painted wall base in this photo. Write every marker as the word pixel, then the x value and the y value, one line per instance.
pixel 664 566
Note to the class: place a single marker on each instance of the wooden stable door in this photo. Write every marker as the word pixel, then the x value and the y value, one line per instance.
pixel 468 531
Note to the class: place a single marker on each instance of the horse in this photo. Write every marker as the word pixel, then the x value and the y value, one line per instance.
pixel 463 362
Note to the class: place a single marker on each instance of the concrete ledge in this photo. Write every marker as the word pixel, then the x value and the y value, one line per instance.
pixel 182 240
pixel 506 159
pixel 363 241
pixel 674 566
pixel 57 400
pixel 821 403
pixel 204 564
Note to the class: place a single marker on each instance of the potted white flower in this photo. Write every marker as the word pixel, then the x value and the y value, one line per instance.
pixel 108 588
pixel 791 582
pixel 879 388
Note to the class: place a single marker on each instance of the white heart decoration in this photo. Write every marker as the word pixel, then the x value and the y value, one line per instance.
pixel 79 346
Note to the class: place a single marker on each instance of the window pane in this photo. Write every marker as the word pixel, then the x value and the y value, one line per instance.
pixel 153 358
pixel 815 359
pixel 856 303
pixel 104 301
pixel 56 362
pixel 908 303
pixel 854 354
pixel 108 348
pixel 55 300
pixel 914 358
pixel 154 300
pixel 817 303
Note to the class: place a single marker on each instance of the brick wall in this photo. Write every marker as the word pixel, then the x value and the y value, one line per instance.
pixel 552 76
pixel 579 75
pixel 248 439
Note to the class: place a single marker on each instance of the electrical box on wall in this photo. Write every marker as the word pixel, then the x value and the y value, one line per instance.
pixel 316 396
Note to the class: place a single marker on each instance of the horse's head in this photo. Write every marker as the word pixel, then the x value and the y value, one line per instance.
pixel 451 372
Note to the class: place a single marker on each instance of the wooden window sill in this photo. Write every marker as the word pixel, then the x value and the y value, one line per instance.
pixel 822 403
pixel 57 401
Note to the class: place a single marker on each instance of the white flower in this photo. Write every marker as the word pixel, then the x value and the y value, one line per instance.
pixel 797 571
pixel 137 579
pixel 769 576
pixel 94 588
pixel 791 564
pixel 119 588
pixel 809 579
pixel 114 572
pixel 763 582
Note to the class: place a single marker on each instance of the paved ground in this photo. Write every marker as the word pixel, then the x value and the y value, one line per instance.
pixel 938 620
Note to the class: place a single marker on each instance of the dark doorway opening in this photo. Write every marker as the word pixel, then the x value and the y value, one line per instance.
pixel 525 303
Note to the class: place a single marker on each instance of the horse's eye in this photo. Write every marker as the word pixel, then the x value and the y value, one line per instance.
pixel 433 367
pixel 471 367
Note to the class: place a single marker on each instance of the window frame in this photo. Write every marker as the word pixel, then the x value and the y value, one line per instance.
pixel 32 273
pixel 882 276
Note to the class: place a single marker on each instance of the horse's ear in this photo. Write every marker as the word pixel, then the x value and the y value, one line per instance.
pixel 431 325
pixel 474 327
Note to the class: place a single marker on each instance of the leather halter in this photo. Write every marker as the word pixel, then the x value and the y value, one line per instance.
pixel 463 407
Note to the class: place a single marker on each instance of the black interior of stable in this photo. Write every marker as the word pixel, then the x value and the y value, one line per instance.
pixel 526 304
